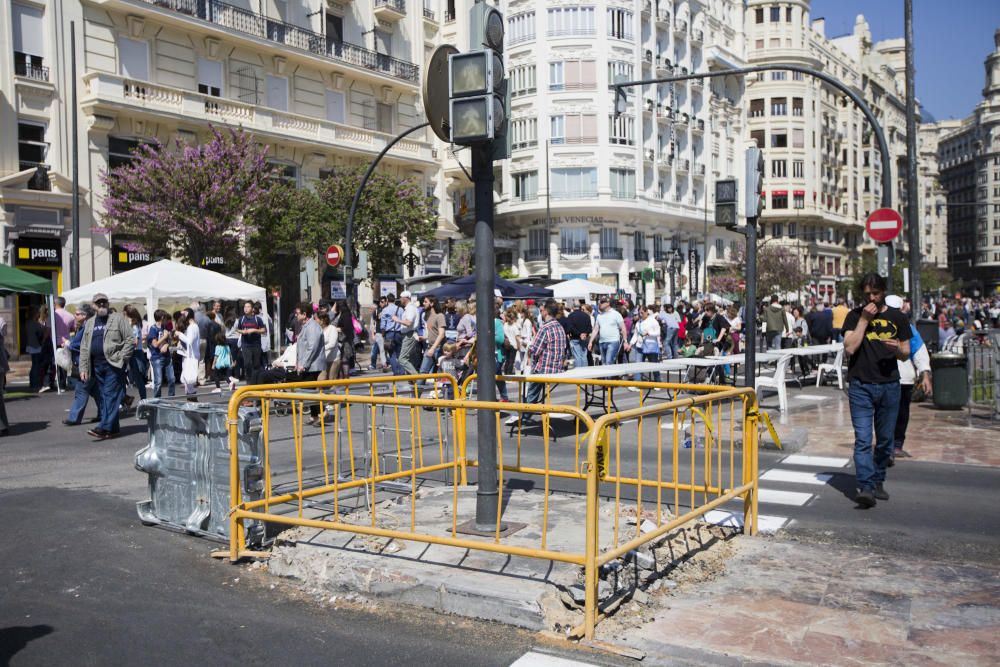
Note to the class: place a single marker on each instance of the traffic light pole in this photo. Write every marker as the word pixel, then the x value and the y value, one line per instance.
pixel 487 487
pixel 750 307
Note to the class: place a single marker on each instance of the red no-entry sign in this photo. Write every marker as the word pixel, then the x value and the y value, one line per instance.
pixel 883 225
pixel 334 254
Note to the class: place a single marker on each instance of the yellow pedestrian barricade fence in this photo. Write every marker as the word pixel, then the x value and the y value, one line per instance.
pixel 666 462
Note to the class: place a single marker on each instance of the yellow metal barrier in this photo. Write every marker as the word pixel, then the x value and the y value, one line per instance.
pixel 706 423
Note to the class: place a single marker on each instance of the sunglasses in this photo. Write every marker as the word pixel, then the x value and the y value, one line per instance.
pixel 102 302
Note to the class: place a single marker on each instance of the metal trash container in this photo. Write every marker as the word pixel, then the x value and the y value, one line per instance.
pixel 928 330
pixel 951 380
pixel 187 461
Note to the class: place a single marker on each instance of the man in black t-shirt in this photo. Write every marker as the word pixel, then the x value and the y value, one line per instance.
pixel 250 327
pixel 875 336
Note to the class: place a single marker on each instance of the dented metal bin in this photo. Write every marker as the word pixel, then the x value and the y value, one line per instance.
pixel 187 461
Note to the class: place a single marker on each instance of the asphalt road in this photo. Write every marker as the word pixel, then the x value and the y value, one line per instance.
pixel 85 583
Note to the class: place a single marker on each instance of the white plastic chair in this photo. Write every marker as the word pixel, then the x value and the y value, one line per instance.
pixel 777 381
pixel 836 367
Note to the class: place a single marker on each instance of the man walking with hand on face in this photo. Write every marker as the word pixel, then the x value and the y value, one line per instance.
pixel 875 336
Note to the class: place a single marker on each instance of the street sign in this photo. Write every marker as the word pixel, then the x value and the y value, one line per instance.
pixel 884 225
pixel 338 290
pixel 334 255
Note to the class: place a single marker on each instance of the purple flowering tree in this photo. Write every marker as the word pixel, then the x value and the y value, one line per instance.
pixel 779 269
pixel 191 202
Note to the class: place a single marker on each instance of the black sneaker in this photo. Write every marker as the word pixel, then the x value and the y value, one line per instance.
pixel 865 498
pixel 99 433
pixel 880 492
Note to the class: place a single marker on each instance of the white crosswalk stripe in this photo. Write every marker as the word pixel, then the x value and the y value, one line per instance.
pixel 795 476
pixel 816 461
pixel 536 659
pixel 773 493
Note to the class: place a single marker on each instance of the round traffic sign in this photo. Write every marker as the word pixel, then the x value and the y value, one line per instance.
pixel 334 254
pixel 883 225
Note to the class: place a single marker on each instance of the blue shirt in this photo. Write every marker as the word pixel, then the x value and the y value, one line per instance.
pixel 151 336
pixel 385 318
pixel 97 340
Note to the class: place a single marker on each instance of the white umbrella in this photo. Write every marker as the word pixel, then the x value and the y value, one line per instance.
pixel 578 288
pixel 718 298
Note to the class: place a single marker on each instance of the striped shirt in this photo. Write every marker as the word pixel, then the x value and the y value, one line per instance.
pixel 548 349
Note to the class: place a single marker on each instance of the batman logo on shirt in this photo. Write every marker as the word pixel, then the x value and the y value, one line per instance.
pixel 881 329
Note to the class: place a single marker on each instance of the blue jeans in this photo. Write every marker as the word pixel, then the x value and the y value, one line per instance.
pixel 393 342
pixel 878 402
pixel 137 367
pixel 110 383
pixel 82 392
pixel 429 364
pixel 670 344
pixel 163 368
pixel 579 350
pixel 609 352
pixel 773 340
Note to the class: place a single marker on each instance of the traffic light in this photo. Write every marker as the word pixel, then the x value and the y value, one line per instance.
pixel 621 96
pixel 479 97
pixel 726 202
pixel 754 180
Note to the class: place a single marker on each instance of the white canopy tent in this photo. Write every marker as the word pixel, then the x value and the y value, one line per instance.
pixel 166 281
pixel 578 288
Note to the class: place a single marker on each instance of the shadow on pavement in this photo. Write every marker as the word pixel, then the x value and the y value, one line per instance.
pixel 15 638
pixel 20 428
pixel 845 483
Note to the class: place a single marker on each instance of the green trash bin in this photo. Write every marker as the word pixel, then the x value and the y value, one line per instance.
pixel 951 380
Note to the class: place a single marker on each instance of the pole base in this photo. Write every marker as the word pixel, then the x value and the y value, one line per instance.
pixel 470 527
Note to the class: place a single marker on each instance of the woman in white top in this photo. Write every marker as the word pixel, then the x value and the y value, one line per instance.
pixel 187 333
pixel 331 347
pixel 526 335
pixel 646 339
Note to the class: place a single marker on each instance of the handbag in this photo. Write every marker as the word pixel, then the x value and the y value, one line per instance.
pixel 64 359
pixel 650 345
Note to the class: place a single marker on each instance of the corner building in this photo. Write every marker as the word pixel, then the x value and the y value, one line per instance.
pixel 823 173
pixel 589 195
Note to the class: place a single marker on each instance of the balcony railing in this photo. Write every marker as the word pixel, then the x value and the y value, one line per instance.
pixel 575 194
pixel 429 13
pixel 30 67
pixel 640 255
pixel 580 85
pixel 624 195
pixel 251 23
pixel 395 5
pixel 611 253
pixel 571 32
pixel 449 16
pixel 535 254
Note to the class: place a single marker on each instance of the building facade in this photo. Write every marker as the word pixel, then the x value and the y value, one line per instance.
pixel 933 198
pixel 321 84
pixel 824 172
pixel 969 158
pixel 586 194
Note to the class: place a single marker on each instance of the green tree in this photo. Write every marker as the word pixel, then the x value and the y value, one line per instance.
pixel 391 212
pixel 290 222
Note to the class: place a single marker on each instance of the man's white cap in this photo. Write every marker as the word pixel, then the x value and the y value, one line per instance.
pixel 405 294
pixel 894 301
pixel 496 292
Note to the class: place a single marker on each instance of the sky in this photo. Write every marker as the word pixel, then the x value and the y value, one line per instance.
pixel 951 39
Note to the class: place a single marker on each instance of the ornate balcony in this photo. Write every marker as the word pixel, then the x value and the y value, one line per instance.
pixel 390 10
pixel 611 253
pixel 259 26
pixel 110 94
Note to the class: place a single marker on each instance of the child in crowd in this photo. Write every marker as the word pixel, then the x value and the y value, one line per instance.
pixel 689 349
pixel 450 364
pixel 223 361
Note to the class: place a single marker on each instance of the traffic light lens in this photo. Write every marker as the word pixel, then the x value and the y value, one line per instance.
pixel 494 30
pixel 469 74
pixel 469 119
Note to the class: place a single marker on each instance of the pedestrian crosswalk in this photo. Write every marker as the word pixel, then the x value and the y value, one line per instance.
pixel 536 659
pixel 775 494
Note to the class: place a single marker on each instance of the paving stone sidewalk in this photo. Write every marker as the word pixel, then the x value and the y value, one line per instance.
pixel 788 603
pixel 941 436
